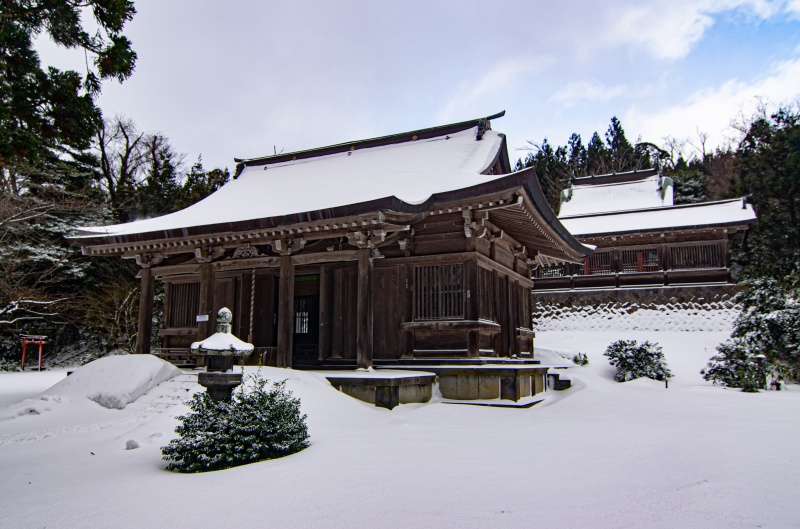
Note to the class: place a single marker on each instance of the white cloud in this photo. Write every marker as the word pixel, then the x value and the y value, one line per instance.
pixel 588 91
pixel 472 97
pixel 668 29
pixel 712 110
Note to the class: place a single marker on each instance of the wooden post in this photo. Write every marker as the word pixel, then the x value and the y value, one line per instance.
pixel 285 312
pixel 145 327
pixel 473 338
pixel 363 311
pixel 324 314
pixel 205 304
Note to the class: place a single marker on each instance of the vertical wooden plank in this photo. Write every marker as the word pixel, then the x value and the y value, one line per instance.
pixel 145 329
pixel 285 311
pixel 363 311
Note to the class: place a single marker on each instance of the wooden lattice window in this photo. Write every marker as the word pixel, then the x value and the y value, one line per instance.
pixel 439 292
pixel 184 303
pixel 641 260
pixel 556 270
pixel 302 312
pixel 598 263
pixel 696 256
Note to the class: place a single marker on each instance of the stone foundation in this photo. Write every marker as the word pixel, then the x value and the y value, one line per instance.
pixel 669 308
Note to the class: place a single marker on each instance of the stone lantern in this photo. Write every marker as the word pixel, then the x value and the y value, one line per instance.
pixel 221 348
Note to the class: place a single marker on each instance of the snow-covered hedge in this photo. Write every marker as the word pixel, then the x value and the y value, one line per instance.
pixel 259 423
pixel 633 360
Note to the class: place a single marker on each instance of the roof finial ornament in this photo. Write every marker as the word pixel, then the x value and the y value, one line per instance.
pixel 483 126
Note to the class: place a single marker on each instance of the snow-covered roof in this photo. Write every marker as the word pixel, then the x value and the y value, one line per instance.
pixel 411 171
pixel 722 213
pixel 606 193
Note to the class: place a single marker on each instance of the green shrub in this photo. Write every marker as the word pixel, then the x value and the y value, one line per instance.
pixel 738 365
pixel 635 361
pixel 259 423
pixel 581 359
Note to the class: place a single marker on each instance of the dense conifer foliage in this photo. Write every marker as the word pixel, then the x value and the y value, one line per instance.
pixel 764 349
pixel 261 422
pixel 633 360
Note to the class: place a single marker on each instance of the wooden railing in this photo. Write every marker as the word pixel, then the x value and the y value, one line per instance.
pixel 642 259
pixel 265 356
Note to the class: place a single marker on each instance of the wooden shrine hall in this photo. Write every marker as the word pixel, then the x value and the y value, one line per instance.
pixel 642 238
pixel 410 247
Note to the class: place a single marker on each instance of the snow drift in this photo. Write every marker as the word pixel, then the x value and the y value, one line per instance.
pixel 115 381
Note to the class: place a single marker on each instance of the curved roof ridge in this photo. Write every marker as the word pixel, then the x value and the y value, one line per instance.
pixel 401 137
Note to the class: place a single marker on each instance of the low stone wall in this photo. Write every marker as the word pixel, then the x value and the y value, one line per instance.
pixel 669 308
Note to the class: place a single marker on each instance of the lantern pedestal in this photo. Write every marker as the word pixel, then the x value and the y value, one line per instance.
pixel 219 386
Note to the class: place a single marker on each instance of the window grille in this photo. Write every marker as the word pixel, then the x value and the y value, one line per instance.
pixel 559 270
pixel 696 256
pixel 599 263
pixel 640 260
pixel 439 292
pixel 301 316
pixel 184 303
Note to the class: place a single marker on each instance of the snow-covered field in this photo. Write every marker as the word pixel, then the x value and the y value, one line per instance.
pixel 601 454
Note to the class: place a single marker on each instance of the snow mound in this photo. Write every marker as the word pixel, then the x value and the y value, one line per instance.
pixel 115 381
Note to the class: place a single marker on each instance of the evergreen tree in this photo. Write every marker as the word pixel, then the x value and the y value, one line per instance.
pixel 43 111
pixel 768 166
pixel 620 151
pixel 597 157
pixel 200 183
pixel 577 156
pixel 259 423
pixel 160 193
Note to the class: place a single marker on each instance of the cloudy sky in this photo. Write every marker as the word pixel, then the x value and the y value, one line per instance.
pixel 241 78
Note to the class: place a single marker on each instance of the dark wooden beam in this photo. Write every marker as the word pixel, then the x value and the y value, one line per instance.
pixel 364 311
pixel 285 312
pixel 206 301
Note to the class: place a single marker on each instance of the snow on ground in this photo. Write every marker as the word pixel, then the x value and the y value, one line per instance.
pixel 601 454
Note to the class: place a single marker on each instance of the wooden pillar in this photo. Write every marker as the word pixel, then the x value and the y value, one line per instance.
pixel 285 312
pixel 145 328
pixel 206 302
pixel 363 311
pixel 473 291
pixel 408 314
pixel 324 314
pixel 513 318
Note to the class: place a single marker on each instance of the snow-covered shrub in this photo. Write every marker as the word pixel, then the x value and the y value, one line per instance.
pixel 633 360
pixel 764 349
pixel 7 364
pixel 581 359
pixel 260 422
pixel 735 366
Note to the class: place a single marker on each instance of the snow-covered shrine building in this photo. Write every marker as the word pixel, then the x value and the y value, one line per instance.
pixel 642 238
pixel 415 247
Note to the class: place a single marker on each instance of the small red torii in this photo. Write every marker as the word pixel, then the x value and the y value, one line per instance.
pixel 32 340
